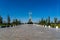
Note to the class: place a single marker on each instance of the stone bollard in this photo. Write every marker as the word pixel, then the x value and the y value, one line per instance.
pixel 45 26
pixel 56 27
pixel 49 26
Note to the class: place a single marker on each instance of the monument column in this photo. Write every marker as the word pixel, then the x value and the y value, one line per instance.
pixel 30 18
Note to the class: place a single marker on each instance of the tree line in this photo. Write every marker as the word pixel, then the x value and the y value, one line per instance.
pixel 15 22
pixel 48 22
pixel 9 23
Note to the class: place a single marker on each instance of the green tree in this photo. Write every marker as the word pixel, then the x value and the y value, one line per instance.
pixel 48 21
pixel 55 20
pixel 42 22
pixel 8 20
pixel 13 22
pixel 1 21
pixel 16 22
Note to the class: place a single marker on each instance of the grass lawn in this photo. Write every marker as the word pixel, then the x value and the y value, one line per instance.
pixel 54 25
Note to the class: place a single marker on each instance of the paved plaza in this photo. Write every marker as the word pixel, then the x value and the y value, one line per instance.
pixel 29 32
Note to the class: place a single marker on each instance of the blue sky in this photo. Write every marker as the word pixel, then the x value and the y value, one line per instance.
pixel 20 9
